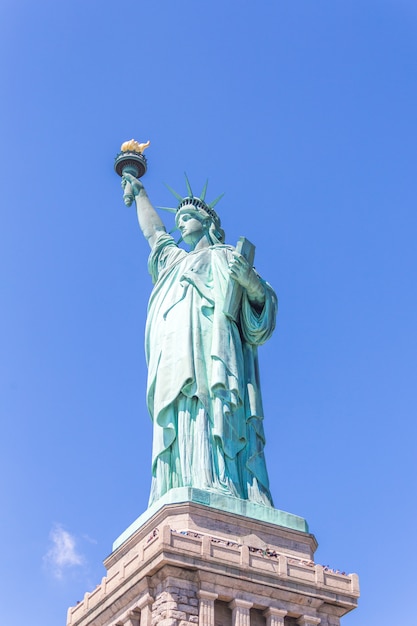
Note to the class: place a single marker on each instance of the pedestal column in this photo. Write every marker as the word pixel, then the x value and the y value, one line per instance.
pixel 132 619
pixel 241 612
pixel 275 617
pixel 145 606
pixel 206 608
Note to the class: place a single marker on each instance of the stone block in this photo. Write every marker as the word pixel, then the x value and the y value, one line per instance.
pixel 177 614
pixel 191 610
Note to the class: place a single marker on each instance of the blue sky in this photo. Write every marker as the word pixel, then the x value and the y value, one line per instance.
pixel 304 114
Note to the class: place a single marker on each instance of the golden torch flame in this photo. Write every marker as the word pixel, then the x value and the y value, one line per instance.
pixel 134 146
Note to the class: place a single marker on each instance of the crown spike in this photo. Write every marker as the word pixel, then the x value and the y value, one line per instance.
pixel 174 193
pixel 203 193
pixel 213 204
pixel 187 182
pixel 165 208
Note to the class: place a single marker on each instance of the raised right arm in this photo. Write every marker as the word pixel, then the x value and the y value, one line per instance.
pixel 149 221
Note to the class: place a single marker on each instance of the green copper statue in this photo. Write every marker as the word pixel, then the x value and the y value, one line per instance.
pixel 203 389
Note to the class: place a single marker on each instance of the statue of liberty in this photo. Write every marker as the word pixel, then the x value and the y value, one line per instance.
pixel 203 390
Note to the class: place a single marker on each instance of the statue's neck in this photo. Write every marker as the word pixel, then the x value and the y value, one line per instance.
pixel 201 244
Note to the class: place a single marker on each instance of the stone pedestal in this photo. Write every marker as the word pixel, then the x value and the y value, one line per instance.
pixel 191 564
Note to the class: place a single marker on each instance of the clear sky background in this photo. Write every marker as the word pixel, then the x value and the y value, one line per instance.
pixel 304 112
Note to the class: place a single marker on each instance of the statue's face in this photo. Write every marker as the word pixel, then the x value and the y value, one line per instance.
pixel 190 227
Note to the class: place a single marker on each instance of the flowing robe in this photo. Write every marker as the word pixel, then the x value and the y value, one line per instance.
pixel 203 389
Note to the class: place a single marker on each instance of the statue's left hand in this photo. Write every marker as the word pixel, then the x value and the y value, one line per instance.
pixel 240 270
pixel 245 275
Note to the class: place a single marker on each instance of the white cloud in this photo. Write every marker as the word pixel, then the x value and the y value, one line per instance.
pixel 63 553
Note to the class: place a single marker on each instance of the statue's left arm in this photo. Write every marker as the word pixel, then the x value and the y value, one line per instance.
pixel 259 302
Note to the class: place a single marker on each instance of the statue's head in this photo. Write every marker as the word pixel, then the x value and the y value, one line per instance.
pixel 200 210
pixel 203 213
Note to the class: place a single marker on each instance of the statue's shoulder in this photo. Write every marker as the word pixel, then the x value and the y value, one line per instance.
pixel 223 246
pixel 222 251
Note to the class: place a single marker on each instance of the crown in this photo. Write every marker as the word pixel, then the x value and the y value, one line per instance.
pixel 198 202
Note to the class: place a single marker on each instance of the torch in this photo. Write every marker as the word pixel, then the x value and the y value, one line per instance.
pixel 131 160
